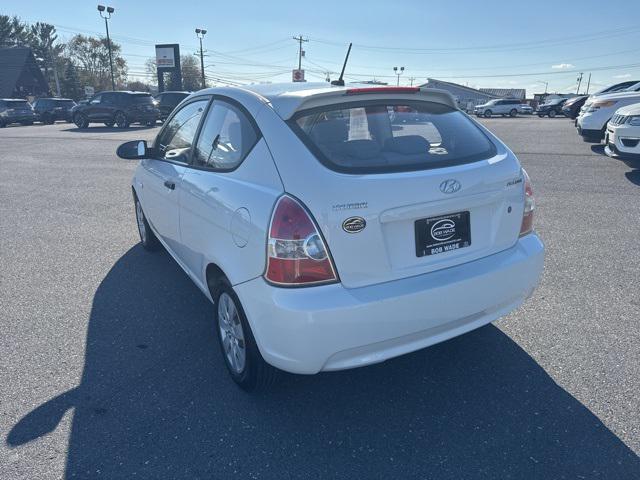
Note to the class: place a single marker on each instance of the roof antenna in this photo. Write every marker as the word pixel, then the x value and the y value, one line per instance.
pixel 340 81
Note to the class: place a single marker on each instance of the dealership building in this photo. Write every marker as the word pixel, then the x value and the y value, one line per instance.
pixel 468 97
pixel 20 76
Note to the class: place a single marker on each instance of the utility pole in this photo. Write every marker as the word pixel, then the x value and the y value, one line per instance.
pixel 411 79
pixel 200 34
pixel 398 72
pixel 107 16
pixel 588 84
pixel 299 39
pixel 579 83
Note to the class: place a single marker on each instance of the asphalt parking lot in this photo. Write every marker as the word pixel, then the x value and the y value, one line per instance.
pixel 109 366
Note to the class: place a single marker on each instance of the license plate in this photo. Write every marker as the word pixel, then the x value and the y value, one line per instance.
pixel 441 234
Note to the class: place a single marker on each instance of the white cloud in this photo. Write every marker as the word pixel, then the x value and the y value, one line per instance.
pixel 624 75
pixel 563 65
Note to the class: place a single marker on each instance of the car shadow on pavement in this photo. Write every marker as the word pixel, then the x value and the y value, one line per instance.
pixel 634 175
pixel 155 401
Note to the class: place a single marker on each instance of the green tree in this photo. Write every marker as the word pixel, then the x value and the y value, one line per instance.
pixel 70 82
pixel 42 39
pixel 13 32
pixel 90 56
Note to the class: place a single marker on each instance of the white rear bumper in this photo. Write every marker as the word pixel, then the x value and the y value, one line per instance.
pixel 306 330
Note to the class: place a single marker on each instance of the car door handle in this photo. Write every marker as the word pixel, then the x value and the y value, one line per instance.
pixel 170 185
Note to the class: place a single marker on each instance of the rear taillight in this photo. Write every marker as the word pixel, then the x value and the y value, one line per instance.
pixel 529 206
pixel 296 252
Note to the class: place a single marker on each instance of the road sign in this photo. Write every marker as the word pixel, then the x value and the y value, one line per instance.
pixel 297 75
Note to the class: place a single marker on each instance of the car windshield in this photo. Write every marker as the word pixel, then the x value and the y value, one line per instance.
pixel 370 136
pixel 63 103
pixel 633 88
pixel 142 98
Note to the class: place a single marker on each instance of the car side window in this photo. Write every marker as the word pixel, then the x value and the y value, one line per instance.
pixel 108 99
pixel 226 138
pixel 96 100
pixel 175 140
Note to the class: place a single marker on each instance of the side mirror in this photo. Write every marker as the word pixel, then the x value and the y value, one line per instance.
pixel 135 150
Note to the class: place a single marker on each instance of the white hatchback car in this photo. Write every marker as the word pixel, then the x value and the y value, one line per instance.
pixel 329 237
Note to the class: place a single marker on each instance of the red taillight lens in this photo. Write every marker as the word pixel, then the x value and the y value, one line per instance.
pixel 296 252
pixel 529 206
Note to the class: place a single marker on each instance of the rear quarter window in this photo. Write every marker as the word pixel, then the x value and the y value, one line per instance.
pixel 379 137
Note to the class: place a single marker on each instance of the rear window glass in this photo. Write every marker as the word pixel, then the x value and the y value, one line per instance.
pixel 17 103
pixel 142 99
pixel 371 136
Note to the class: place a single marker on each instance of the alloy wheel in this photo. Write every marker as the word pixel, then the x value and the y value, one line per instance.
pixel 231 333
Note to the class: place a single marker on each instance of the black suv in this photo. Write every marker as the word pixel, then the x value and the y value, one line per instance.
pixel 552 108
pixel 51 109
pixel 117 108
pixel 167 101
pixel 16 111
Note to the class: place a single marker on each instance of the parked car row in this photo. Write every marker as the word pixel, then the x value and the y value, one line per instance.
pixel 612 116
pixel 600 108
pixel 119 108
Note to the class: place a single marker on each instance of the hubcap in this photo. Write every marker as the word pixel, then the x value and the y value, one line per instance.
pixel 140 218
pixel 231 333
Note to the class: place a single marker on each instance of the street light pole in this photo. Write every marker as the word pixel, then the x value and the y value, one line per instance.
pixel 398 72
pixel 201 33
pixel 107 16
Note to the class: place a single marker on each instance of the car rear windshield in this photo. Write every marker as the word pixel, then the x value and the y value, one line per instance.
pixel 17 103
pixel 377 137
pixel 142 98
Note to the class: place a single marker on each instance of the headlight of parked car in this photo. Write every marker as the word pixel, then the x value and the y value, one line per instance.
pixel 634 120
pixel 602 104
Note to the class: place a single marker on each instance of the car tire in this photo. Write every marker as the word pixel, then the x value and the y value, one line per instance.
pixel 47 119
pixel 238 346
pixel 81 120
pixel 148 239
pixel 108 124
pixel 121 120
pixel 487 113
pixel 552 114
pixel 151 123
pixel 513 113
pixel 541 115
pixel 3 125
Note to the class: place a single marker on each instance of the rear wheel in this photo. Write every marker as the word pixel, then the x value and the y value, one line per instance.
pixel 147 237
pixel 81 120
pixel 239 349
pixel 513 112
pixel 121 120
pixel 552 114
pixel 487 113
pixel 47 119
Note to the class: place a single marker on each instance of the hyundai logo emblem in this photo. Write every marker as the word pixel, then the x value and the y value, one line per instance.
pixel 450 186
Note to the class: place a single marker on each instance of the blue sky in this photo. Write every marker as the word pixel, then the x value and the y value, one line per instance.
pixel 492 43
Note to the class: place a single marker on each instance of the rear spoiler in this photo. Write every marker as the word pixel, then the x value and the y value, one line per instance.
pixel 288 104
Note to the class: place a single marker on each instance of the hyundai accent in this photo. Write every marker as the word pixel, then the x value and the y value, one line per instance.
pixel 327 235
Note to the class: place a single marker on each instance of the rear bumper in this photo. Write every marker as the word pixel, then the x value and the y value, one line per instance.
pixel 17 118
pixel 307 330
